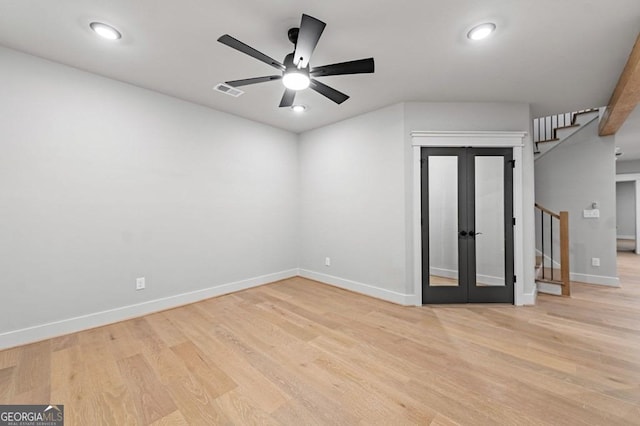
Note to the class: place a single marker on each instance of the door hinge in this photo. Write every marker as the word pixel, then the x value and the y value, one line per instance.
pixel 513 163
pixel 515 279
pixel 513 220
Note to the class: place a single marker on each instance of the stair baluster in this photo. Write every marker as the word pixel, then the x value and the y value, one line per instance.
pixel 563 220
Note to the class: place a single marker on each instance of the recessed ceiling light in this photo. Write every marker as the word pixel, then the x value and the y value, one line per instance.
pixel 481 31
pixel 105 31
pixel 299 108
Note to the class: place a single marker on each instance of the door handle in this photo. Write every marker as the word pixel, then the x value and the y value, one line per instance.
pixel 463 233
pixel 473 234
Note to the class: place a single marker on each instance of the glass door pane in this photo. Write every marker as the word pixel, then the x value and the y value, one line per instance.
pixel 489 221
pixel 443 221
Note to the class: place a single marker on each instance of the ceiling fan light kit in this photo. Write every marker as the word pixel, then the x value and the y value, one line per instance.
pixel 296 72
pixel 296 79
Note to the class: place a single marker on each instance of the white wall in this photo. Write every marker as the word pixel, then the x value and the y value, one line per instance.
pixel 443 216
pixel 352 201
pixel 632 166
pixel 626 209
pixel 356 193
pixel 489 199
pixel 577 173
pixel 456 116
pixel 102 182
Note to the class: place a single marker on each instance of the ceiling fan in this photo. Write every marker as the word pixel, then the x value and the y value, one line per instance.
pixel 296 72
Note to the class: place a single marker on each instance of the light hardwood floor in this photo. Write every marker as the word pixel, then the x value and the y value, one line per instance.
pixel 299 352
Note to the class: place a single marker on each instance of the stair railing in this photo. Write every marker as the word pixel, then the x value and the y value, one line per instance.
pixel 545 232
pixel 545 128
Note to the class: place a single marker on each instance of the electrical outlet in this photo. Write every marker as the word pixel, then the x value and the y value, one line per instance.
pixel 327 261
pixel 595 261
pixel 140 283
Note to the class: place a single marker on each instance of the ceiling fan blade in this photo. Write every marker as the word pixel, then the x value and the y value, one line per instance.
pixel 308 36
pixel 246 81
pixel 248 50
pixel 287 98
pixel 360 66
pixel 329 92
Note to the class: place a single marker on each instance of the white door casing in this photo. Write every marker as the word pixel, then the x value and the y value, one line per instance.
pixel 479 139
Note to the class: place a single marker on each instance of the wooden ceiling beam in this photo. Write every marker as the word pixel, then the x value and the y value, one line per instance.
pixel 625 96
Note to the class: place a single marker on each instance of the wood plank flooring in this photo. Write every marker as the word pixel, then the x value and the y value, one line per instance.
pixel 299 352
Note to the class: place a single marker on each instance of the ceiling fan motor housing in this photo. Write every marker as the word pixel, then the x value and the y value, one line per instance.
pixel 288 63
pixel 293 35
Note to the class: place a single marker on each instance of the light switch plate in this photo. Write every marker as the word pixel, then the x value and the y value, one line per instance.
pixel 591 214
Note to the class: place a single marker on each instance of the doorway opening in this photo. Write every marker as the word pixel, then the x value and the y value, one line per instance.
pixel 628 213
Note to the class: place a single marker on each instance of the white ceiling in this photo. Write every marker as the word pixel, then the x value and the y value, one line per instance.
pixel 559 56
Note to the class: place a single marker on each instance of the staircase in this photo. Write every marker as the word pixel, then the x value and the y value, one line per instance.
pixel 552 130
pixel 552 229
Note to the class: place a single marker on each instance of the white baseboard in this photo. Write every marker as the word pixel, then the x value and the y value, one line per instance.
pixel 84 322
pixel 446 273
pixel 366 289
pixel 489 280
pixel 595 279
pixel 583 278
pixel 549 288
pixel 626 237
pixel 527 299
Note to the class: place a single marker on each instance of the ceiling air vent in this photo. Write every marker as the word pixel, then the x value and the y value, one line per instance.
pixel 228 90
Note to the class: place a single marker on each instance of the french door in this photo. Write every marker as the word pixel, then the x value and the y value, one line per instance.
pixel 467 225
